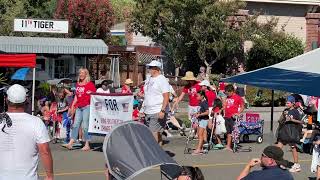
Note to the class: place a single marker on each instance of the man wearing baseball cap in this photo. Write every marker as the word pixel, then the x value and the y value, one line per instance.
pixel 271 161
pixel 156 100
pixel 23 138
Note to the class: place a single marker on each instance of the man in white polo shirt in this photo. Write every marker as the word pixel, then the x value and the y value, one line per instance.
pixel 22 138
pixel 156 99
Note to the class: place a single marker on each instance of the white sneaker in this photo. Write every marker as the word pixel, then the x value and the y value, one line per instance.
pixel 295 168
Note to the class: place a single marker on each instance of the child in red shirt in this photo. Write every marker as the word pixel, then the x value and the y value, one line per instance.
pixel 233 107
pixel 135 113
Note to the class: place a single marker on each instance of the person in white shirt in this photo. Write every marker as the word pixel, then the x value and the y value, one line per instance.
pixel 156 99
pixel 104 87
pixel 23 138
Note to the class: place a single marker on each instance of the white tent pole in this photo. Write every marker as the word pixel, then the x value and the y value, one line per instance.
pixel 33 88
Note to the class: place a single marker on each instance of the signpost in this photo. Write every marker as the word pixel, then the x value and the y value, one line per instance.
pixel 42 26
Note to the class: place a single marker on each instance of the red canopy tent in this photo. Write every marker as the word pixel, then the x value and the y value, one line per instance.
pixel 20 60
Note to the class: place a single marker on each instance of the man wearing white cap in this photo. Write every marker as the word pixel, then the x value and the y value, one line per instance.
pixel 156 99
pixel 22 139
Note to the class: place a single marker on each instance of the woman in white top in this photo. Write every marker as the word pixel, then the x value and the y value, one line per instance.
pixel 104 87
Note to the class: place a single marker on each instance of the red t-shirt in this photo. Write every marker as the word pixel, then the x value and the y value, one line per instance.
pixel 142 89
pixel 211 97
pixel 125 90
pixel 233 103
pixel 83 94
pixel 135 115
pixel 192 92
pixel 222 86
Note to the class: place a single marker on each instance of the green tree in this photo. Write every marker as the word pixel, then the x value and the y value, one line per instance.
pixel 38 9
pixel 122 9
pixel 272 49
pixel 8 11
pixel 217 37
pixel 168 23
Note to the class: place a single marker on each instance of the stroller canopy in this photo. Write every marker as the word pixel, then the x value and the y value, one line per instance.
pixel 130 149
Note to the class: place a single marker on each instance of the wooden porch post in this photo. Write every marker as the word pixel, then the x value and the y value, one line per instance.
pixel 135 70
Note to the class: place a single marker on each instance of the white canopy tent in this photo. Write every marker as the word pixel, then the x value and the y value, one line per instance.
pixel 299 75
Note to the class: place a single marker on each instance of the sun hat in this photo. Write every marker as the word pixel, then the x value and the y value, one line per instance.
pixel 17 94
pixel 276 154
pixel 128 81
pixel 154 63
pixel 189 76
pixel 291 99
pixel 205 83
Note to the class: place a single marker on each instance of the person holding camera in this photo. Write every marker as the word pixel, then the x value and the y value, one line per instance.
pixel 289 131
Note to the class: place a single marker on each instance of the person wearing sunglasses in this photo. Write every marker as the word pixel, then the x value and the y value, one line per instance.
pixel 272 163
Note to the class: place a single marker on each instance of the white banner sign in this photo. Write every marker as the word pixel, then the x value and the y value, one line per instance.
pixel 107 111
pixel 37 25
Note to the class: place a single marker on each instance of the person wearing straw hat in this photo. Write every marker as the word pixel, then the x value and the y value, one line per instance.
pixel 156 99
pixel 23 138
pixel 191 89
pixel 272 164
pixel 126 88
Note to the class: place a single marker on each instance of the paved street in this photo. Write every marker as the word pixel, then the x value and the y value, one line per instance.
pixel 221 164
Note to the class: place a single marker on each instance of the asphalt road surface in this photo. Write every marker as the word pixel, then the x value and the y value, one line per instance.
pixel 219 164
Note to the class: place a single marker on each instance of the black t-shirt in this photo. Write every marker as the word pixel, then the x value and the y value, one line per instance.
pixel 61 104
pixel 294 113
pixel 270 173
pixel 203 108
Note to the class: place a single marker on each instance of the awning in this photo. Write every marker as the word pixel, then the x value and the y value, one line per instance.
pixel 18 60
pixel 299 75
pixel 40 45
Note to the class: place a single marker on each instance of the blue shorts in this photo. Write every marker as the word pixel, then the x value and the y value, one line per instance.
pixel 203 123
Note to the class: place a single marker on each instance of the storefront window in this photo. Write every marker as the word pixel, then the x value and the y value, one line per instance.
pixel 61 68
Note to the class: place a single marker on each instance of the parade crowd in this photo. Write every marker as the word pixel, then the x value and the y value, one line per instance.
pixel 65 115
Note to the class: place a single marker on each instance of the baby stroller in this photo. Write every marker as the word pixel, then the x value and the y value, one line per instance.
pixel 191 135
pixel 236 136
pixel 252 126
pixel 130 150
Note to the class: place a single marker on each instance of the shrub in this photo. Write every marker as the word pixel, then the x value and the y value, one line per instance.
pixel 262 97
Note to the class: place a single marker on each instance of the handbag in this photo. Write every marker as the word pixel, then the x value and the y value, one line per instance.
pixel 289 133
pixel 220 125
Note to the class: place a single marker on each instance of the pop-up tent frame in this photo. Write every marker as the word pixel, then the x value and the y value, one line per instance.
pixel 21 60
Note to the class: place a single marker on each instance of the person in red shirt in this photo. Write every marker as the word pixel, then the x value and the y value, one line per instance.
pixel 233 106
pixel 191 89
pixel 126 87
pixel 211 95
pixel 84 88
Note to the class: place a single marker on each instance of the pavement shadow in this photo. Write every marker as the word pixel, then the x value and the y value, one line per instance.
pixel 165 142
pixel 171 154
pixel 96 147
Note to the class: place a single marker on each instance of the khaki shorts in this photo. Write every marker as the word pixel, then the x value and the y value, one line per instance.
pixel 154 123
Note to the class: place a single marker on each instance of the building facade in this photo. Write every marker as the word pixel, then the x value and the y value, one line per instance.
pixel 297 17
